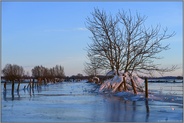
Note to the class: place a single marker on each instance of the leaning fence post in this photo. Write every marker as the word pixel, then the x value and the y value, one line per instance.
pixel 133 86
pixel 146 88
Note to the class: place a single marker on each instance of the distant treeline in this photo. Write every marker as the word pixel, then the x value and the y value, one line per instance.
pixel 12 72
pixel 166 77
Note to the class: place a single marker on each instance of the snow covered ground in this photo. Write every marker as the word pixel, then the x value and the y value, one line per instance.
pixel 82 102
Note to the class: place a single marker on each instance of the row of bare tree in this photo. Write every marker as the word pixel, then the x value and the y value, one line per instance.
pixel 123 43
pixel 15 72
pixel 43 72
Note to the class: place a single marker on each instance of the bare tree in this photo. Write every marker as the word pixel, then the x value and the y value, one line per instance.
pixel 124 43
pixel 142 44
pixel 58 71
pixel 43 73
pixel 38 72
pixel 13 73
pixel 92 68
pixel 107 44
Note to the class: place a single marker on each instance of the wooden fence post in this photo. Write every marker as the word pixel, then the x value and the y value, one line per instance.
pixel 146 88
pixel 133 86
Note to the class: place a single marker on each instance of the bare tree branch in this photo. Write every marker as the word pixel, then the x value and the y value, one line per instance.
pixel 124 43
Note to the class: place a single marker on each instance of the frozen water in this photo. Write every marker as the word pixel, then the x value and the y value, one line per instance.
pixel 81 102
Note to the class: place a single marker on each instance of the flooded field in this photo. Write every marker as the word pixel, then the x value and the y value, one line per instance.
pixel 81 102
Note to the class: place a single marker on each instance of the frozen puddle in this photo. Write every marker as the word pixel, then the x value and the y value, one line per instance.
pixel 81 102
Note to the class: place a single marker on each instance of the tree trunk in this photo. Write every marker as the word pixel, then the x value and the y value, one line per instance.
pixel 40 81
pixel 33 84
pixel 117 72
pixel 45 82
pixel 13 89
pixel 124 82
pixel 5 85
pixel 13 83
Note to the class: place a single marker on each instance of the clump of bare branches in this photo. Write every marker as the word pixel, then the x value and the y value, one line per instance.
pixel 124 43
pixel 48 74
pixel 13 73
pixel 92 68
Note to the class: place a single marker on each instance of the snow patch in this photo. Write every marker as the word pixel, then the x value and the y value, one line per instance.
pixel 116 84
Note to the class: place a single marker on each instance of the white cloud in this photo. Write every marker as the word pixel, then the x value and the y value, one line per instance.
pixel 66 30
pixel 56 30
pixel 81 29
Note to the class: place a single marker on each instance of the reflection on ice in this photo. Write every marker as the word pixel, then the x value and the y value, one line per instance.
pixel 81 102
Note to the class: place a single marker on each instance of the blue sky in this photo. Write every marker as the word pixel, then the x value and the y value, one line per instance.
pixel 51 33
